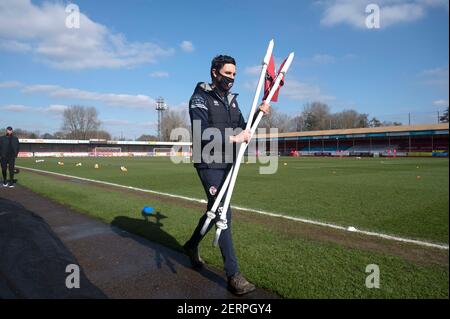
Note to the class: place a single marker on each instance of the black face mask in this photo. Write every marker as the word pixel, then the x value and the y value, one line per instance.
pixel 224 83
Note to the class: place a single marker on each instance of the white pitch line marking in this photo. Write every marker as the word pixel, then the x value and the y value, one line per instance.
pixel 298 219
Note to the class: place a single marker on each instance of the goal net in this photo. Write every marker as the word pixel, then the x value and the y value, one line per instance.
pixel 163 151
pixel 106 151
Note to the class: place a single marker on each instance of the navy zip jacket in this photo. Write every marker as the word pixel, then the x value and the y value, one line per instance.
pixel 9 146
pixel 214 114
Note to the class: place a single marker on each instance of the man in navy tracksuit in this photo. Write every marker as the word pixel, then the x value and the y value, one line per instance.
pixel 9 149
pixel 214 107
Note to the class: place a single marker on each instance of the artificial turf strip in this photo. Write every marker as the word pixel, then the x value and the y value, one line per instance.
pixel 290 267
pixel 405 197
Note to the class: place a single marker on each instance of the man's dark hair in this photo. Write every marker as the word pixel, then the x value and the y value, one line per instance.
pixel 219 61
pixel 9 128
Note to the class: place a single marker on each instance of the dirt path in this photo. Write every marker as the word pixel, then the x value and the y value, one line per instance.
pixel 121 264
pixel 411 252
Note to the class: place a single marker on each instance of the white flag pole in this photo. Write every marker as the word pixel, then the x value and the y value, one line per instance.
pixel 222 223
pixel 211 214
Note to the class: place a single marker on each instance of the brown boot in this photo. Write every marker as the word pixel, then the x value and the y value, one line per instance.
pixel 194 256
pixel 238 285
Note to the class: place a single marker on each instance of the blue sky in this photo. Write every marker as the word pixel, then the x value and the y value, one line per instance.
pixel 127 53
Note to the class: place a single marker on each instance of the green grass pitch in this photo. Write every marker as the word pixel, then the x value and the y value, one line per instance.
pixel 406 197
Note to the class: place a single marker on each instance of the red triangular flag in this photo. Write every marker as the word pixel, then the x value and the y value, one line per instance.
pixel 270 80
pixel 270 77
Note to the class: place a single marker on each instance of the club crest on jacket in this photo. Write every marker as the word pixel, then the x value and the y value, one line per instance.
pixel 213 190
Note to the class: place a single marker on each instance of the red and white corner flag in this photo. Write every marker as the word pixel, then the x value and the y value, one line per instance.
pixel 270 79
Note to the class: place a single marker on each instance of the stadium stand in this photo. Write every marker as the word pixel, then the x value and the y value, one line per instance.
pixel 414 140
pixel 98 148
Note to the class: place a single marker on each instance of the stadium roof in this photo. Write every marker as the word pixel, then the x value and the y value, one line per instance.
pixel 366 132
pixel 403 130
pixel 99 142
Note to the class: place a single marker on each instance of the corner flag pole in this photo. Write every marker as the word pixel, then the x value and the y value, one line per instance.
pixel 222 223
pixel 211 214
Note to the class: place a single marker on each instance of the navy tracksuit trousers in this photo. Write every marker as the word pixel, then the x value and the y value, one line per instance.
pixel 8 162
pixel 212 180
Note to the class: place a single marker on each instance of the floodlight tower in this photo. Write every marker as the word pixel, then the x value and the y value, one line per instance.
pixel 161 106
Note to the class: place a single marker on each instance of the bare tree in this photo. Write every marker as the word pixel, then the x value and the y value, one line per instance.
pixel 59 135
pixel 374 122
pixel 80 122
pixel 296 124
pixel 283 122
pixel 147 137
pixel 444 117
pixel 389 123
pixel 363 120
pixel 276 119
pixel 99 134
pixel 47 136
pixel 349 119
pixel 317 116
pixel 269 120
pixel 173 119
pixel 21 133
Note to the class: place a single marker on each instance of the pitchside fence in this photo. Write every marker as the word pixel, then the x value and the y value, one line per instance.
pixel 394 141
pixel 97 148
pixel 102 151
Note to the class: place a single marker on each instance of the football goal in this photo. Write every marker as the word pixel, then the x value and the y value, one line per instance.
pixel 106 151
pixel 163 151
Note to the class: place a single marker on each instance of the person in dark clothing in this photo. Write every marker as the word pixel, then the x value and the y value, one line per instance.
pixel 214 107
pixel 9 149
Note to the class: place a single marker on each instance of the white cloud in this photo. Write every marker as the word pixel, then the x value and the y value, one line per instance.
pixel 337 12
pixel 437 77
pixel 10 84
pixel 256 69
pixel 253 70
pixel 149 124
pixel 250 85
pixel 437 72
pixel 113 99
pixel 159 74
pixel 323 59
pixel 14 46
pixel 114 122
pixel 443 103
pixel 398 13
pixel 18 108
pixel 55 108
pixel 349 56
pixel 42 30
pixel 436 3
pixel 180 107
pixel 187 46
pixel 352 12
pixel 15 108
pixel 300 91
